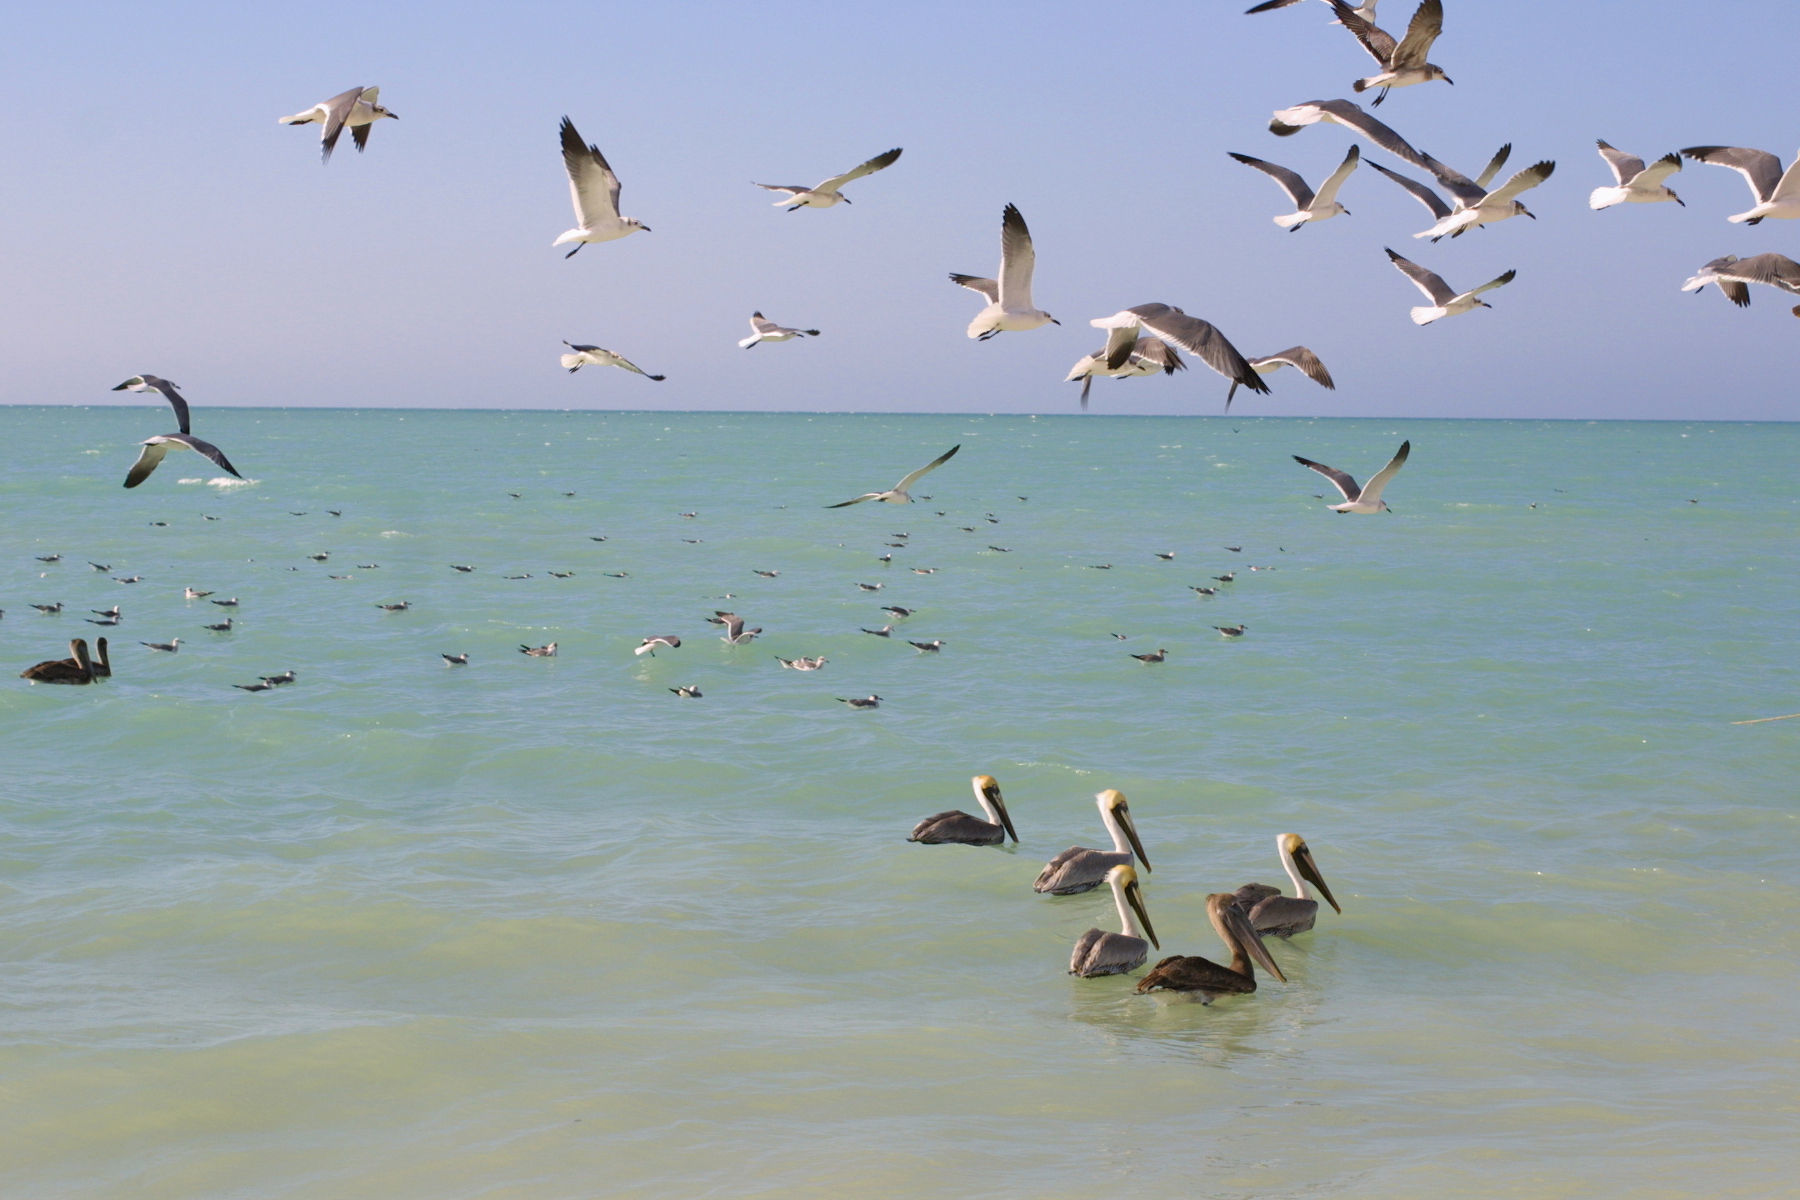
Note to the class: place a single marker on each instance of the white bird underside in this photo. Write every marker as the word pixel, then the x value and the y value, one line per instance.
pixel 357 108
pixel 1289 121
pixel 764 330
pixel 156 447
pixel 1199 338
pixel 1633 182
pixel 594 189
pixel 1308 205
pixel 899 493
pixel 1445 303
pixel 1777 192
pixel 1150 355
pixel 1367 498
pixel 1489 207
pixel 829 192
pixel 1009 308
pixel 596 356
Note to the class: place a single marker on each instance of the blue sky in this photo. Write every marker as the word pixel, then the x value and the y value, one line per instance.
pixel 158 219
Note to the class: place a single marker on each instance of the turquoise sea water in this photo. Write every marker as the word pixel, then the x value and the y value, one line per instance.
pixel 540 928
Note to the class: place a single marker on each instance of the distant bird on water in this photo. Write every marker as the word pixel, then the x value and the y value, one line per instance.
pixel 156 447
pixel 1156 657
pixel 1196 976
pixel 828 192
pixel 548 650
pixel 169 647
pixel 595 191
pixel 455 660
pixel 1367 498
pixel 1009 307
pixel 1100 952
pixel 899 493
pixel 687 691
pixel 595 356
pixel 359 108
pixel 869 701
pixel 959 827
pixel 764 330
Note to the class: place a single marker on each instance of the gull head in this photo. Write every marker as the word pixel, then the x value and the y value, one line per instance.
pixel 1519 210
pixel 634 224
pixel 379 112
pixel 1433 71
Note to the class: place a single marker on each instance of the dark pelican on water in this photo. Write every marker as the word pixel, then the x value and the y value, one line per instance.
pixel 1196 976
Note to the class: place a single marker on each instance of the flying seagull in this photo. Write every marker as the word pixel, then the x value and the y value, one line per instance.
pixel 1289 121
pixel 1365 10
pixel 1734 275
pixel 594 356
pixel 1403 62
pixel 1777 192
pixel 1197 337
pixel 595 190
pixel 358 108
pixel 1365 499
pixel 1147 356
pixel 1444 302
pixel 154 448
pixel 828 193
pixel 1009 306
pixel 1298 357
pixel 1633 182
pixel 764 330
pixel 899 494
pixel 1308 204
pixel 1478 206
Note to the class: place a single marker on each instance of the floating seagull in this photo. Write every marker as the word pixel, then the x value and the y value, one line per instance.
pixel 49 558
pixel 899 494
pixel 1734 274
pixel 231 603
pixel 461 567
pixel 1633 182
pixel 764 330
pixel 455 660
pixel 594 356
pixel 1365 499
pixel 956 826
pixel 1402 63
pixel 735 633
pixel 1079 869
pixel 1098 952
pixel 1289 121
pixel 869 701
pixel 931 647
pixel 1444 302
pixel 168 647
pixel 128 579
pixel 112 612
pixel 76 669
pixel 1269 911
pixel 401 606
pixel 195 594
pixel 156 447
pixel 898 611
pixel 49 609
pixel 359 108
pixel 221 626
pixel 1231 631
pixel 649 644
pixel 1009 307
pixel 884 631
pixel 1298 357
pixel 1157 657
pixel 688 691
pixel 1196 976
pixel 828 192
pixel 595 190
pixel 101 567
pixel 1777 192
pixel 1204 591
pixel 1308 205
pixel 1199 338
pixel 802 663
pixel 548 650
pixel 278 680
pixel 1147 356
pixel 254 687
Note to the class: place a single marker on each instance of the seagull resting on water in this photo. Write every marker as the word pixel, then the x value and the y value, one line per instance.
pixel 154 448
pixel 764 330
pixel 1365 499
pixel 898 494
pixel 594 356
pixel 1009 306
pixel 595 190
pixel 829 192
pixel 359 108
pixel 1444 302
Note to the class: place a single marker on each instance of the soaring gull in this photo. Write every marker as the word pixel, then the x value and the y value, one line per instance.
pixel 359 108
pixel 1633 182
pixel 1308 204
pixel 1444 302
pixel 1009 307
pixel 899 494
pixel 595 190
pixel 1365 499
pixel 1777 192
pixel 829 192
pixel 154 448
pixel 1199 338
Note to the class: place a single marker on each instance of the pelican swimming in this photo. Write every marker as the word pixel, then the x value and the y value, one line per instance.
pixel 1098 952
pixel 1206 979
pixel 958 826
pixel 1079 869
pixel 1270 911
pixel 100 665
pixel 76 669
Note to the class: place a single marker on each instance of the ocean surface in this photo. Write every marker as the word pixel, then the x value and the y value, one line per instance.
pixel 539 928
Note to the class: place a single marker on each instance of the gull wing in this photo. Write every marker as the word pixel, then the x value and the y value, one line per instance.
pixel 1426 24
pixel 1490 285
pixel 1202 339
pixel 142 383
pixel 1329 189
pixel 795 190
pixel 337 111
pixel 987 287
pixel 631 366
pixel 208 449
pixel 1339 479
pixel 1377 41
pixel 1270 6
pixel 869 168
pixel 858 499
pixel 1157 353
pixel 1371 491
pixel 1455 182
pixel 1659 170
pixel 761 324
pixel 933 465
pixel 1350 115
pixel 1290 182
pixel 148 458
pixel 1524 180
pixel 1776 270
pixel 1420 192
pixel 1017 259
pixel 1625 167
pixel 1760 169
pixel 1735 290
pixel 1434 287
pixel 1302 360
pixel 1121 342
pixel 1494 164
pixel 592 184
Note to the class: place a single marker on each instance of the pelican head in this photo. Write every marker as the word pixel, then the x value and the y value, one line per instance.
pixel 987 793
pixel 1124 883
pixel 1233 926
pixel 1294 850
pixel 1116 814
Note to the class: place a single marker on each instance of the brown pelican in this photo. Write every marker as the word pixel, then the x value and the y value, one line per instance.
pixel 959 826
pixel 1207 979
pixel 76 669
pixel 100 665
pixel 1271 912
pixel 1100 953
pixel 1079 869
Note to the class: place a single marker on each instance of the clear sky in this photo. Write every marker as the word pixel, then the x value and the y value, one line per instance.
pixel 158 219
